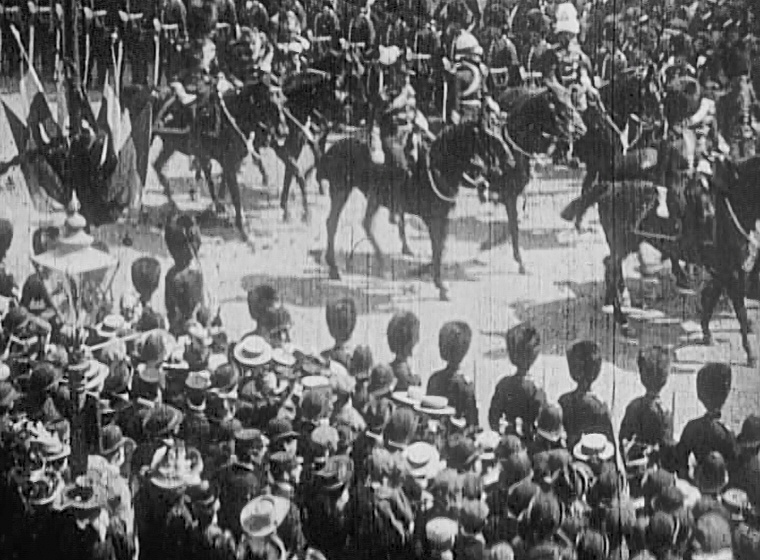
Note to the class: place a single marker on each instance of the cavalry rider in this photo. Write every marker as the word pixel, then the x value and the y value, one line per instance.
pixel 738 110
pixel 536 45
pixel 227 28
pixel 425 54
pixel 612 59
pixel 501 56
pixel 172 29
pixel 253 15
pixel 289 23
pixel 678 62
pixel 361 29
pixel 326 32
pixel 568 64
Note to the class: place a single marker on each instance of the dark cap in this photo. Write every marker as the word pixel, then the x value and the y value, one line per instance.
pixel 111 440
pixel 461 452
pixel 711 474
pixel 381 380
pixel 44 376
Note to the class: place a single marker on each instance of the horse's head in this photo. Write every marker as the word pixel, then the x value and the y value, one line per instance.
pixel 636 95
pixel 263 112
pixel 558 117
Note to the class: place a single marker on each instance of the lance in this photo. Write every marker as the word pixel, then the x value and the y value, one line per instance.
pixel 26 57
pixel 31 37
pixel 87 56
pixel 156 58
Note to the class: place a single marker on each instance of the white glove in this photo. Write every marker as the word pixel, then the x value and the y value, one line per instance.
pixel 87 13
pixel 123 16
pixel 32 7
pixel 157 25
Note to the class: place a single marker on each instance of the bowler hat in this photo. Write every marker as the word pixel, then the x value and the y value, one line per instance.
pixel 111 439
pixel 162 419
pixel 549 423
pixel 381 381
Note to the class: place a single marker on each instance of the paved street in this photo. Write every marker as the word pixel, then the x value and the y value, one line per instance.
pixel 561 293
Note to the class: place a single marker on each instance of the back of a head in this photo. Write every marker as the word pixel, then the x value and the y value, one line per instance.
pixel 341 318
pixel 401 427
pixel 714 384
pixel 183 237
pixel 146 275
pixel 403 331
pixel 260 299
pixel 454 341
pixel 523 343
pixel 584 360
pixel 654 368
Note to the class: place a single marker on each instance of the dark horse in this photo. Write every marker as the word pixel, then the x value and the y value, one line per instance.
pixel 317 99
pixel 535 120
pixel 430 194
pixel 631 99
pixel 256 109
pixel 721 244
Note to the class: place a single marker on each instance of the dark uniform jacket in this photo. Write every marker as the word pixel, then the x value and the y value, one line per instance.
pixel 515 396
pixel 238 483
pixel 647 418
pixel 458 389
pixel 584 413
pixel 704 435
pixel 405 377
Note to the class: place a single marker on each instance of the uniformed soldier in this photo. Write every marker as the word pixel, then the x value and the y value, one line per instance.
pixel 172 17
pixel 101 20
pixel 360 33
pixel 536 31
pixel 501 58
pixel 425 56
pixel 12 12
pixel 707 433
pixel 738 110
pixel 454 341
pixel 613 59
pixel 326 32
pixel 678 63
pixel 253 15
pixel 227 29
pixel 139 23
pixel 44 19
pixel 291 46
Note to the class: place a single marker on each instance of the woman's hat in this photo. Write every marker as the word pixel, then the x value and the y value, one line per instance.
pixel 282 357
pixel 411 397
pixel 171 471
pixel 594 447
pixel 198 380
pixel 50 447
pixel 95 375
pixel 422 459
pixel 111 439
pixel 749 437
pixel 87 493
pixel 252 351
pixel 263 515
pixel 162 419
pixel 111 326
pixel 381 381
pixel 224 381
pixel 549 423
pixel 441 533
pixel 435 406
pixel 315 382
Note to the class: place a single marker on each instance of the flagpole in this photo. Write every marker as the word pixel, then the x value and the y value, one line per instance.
pixel 71 16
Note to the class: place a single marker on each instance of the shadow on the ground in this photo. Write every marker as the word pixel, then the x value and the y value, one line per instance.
pixel 495 232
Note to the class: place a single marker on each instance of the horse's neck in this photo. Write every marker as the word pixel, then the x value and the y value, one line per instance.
pixel 519 131
pixel 450 151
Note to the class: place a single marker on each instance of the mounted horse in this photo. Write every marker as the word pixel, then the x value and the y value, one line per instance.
pixel 316 102
pixel 220 130
pixel 634 103
pixel 722 217
pixel 428 191
pixel 534 121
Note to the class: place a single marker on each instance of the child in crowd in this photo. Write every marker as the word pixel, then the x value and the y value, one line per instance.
pixel 454 341
pixel 582 411
pixel 517 396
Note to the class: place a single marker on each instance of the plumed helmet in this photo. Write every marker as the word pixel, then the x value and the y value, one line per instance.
pixel 714 384
pixel 467 46
pixel 567 19
pixel 682 99
pixel 146 274
pixel 536 22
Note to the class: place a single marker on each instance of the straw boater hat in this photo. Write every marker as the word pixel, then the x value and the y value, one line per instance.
pixel 411 397
pixel 434 406
pixel 42 487
pixel 252 351
pixel 423 460
pixel 169 470
pixel 594 447
pixel 95 374
pixel 111 326
pixel 263 515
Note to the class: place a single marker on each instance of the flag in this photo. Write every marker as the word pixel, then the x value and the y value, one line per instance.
pixel 129 135
pixel 40 142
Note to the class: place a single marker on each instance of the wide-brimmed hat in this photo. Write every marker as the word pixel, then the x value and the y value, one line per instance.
pixel 336 474
pixel 49 447
pixel 381 381
pixel 198 380
pixel 87 493
pixel 411 397
pixel 252 351
pixel 749 437
pixel 441 532
pixel 434 406
pixel 284 363
pixel 422 460
pixel 162 420
pixel 263 515
pixel 111 326
pixel 594 447
pixel 94 375
pixel 549 423
pixel 487 441
pixel 169 471
pixel 315 382
pixel 224 382
pixel 111 439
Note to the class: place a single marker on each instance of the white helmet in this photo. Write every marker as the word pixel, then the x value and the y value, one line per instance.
pixel 466 45
pixel 567 19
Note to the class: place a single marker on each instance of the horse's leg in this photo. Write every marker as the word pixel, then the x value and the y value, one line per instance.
pixel 158 165
pixel 710 295
pixel 438 228
pixel 373 205
pixel 285 194
pixel 229 176
pixel 405 249
pixel 215 201
pixel 510 203
pixel 736 290
pixel 338 198
pixel 614 285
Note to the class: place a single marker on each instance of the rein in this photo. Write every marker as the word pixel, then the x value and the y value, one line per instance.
pixel 433 185
pixel 249 145
pixel 513 144
pixel 735 219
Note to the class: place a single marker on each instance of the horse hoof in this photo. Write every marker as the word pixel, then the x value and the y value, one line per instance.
pixel 443 294
pixel 522 269
pixel 306 218
pixel 407 251
pixel 751 361
pixel 127 241
pixel 334 274
pixel 286 216
pixel 707 340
